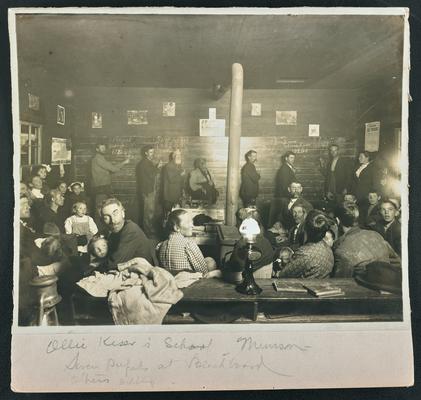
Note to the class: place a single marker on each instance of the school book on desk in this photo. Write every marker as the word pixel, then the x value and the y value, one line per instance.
pixel 324 289
pixel 289 287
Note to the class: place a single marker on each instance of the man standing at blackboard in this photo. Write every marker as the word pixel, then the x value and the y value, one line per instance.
pixel 101 171
pixel 146 173
pixel 337 172
pixel 249 189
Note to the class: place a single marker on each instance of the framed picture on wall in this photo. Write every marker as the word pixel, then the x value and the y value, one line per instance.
pixel 96 121
pixel 33 102
pixel 137 117
pixel 168 109
pixel 256 109
pixel 286 117
pixel 61 115
pixel 313 130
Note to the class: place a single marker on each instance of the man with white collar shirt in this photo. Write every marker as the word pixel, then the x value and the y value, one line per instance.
pixel 389 226
pixel 297 235
pixel 285 216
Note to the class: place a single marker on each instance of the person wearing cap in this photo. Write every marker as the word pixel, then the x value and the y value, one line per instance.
pixel 389 226
pixel 101 170
pixel 357 247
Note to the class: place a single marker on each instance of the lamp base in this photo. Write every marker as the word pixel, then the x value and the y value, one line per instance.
pixel 248 287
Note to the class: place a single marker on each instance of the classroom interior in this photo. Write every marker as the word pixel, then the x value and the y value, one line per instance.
pixel 334 74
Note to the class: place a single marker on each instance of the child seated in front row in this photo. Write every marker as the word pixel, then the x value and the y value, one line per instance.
pixel 81 225
pixel 98 250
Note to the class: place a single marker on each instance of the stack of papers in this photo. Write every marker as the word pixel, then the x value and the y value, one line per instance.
pixel 289 287
pixel 324 290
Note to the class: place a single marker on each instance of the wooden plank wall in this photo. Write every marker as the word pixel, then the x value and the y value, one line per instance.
pixel 215 150
pixel 334 110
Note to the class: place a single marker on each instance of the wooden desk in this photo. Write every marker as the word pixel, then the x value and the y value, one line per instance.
pixel 222 303
pixel 358 303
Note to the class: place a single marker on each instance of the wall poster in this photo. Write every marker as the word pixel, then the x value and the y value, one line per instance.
pixel 61 151
pixel 372 136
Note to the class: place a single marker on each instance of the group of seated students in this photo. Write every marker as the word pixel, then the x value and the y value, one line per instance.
pixel 337 241
pixel 60 238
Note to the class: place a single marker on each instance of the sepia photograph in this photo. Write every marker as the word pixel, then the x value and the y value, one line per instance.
pixel 193 221
pixel 307 209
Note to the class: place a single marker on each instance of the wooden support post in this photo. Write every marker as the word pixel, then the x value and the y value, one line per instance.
pixel 233 177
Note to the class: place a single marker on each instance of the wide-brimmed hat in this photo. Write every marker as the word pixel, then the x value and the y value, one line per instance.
pixel 381 276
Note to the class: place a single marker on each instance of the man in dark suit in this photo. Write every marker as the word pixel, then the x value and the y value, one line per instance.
pixel 285 175
pixel 249 189
pixel 146 173
pixel 297 235
pixel 389 226
pixel 337 173
pixel 285 215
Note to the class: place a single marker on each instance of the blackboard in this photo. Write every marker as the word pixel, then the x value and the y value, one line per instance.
pixel 215 151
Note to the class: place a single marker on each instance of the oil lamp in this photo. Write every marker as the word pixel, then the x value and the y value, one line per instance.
pixel 249 229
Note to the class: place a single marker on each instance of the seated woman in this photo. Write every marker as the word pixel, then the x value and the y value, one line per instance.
pixel 315 258
pixel 263 266
pixel 179 253
pixel 50 211
pixel 201 185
